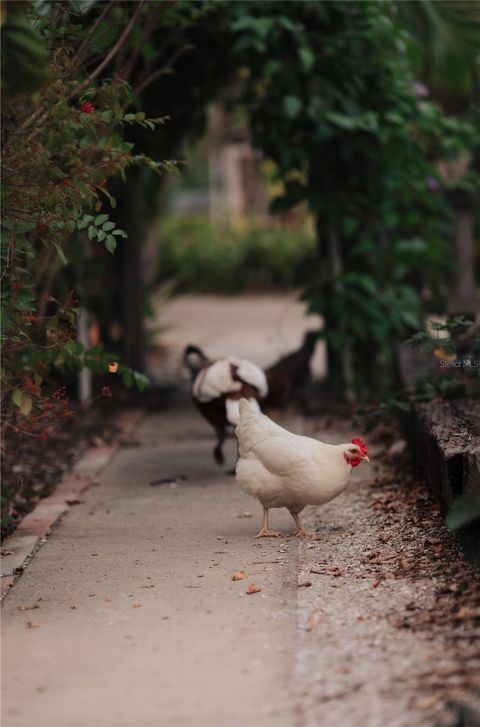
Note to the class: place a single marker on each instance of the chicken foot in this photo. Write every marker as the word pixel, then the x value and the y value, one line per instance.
pixel 300 532
pixel 265 531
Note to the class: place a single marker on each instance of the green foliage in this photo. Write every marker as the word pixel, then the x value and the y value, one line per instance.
pixel 454 370
pixel 444 44
pixel 450 330
pixel 60 148
pixel 340 116
pixel 464 510
pixel 203 257
pixel 24 54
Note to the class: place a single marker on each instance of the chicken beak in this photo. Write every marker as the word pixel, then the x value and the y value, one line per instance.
pixel 366 458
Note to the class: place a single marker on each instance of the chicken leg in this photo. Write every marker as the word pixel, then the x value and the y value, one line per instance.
pixel 265 532
pixel 300 532
pixel 217 452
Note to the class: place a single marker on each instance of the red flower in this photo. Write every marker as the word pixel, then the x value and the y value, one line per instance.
pixel 106 392
pixel 66 182
pixel 86 107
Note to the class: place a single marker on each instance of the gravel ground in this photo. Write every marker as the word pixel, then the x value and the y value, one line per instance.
pixel 388 610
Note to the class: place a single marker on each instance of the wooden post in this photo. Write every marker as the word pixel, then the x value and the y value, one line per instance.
pixel 85 375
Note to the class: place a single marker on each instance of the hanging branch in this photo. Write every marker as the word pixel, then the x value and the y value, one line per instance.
pixel 111 55
pixel 151 19
pixel 77 59
pixel 164 70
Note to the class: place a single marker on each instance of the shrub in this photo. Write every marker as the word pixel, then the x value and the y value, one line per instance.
pixel 60 148
pixel 249 256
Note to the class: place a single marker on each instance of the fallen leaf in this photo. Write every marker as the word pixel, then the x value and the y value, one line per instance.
pixel 245 514
pixel 252 588
pixel 136 605
pixel 428 701
pixel 32 625
pixel 377 582
pixel 314 619
pixel 334 570
pixel 466 612
pixel 28 608
pixel 239 575
pixel 304 584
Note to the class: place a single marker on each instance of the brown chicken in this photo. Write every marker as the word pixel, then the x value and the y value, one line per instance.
pixel 288 376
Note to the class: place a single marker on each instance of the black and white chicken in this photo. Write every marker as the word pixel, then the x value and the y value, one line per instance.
pixel 217 387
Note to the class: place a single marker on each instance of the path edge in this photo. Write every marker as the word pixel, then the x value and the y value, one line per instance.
pixel 31 533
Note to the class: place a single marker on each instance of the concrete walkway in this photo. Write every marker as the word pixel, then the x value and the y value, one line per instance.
pixel 128 615
pixel 139 623
pixel 259 327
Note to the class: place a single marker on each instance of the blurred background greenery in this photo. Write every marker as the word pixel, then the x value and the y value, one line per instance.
pixel 328 147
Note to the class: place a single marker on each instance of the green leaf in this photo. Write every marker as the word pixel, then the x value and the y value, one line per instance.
pixel 100 219
pixel 292 106
pixel 107 226
pixel 465 509
pixel 23 401
pixel 127 377
pixel 60 252
pixel 307 58
pixel 110 243
pixel 141 381
pixel 70 348
pixel 17 397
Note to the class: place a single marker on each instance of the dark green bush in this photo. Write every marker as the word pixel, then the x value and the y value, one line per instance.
pixel 248 256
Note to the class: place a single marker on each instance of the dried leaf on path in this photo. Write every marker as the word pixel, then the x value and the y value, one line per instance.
pixel 333 570
pixel 239 575
pixel 428 702
pixel 28 608
pixel 252 588
pixel 314 619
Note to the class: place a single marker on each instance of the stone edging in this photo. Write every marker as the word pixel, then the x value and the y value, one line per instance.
pixel 35 527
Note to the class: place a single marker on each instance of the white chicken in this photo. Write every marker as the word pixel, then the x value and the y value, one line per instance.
pixel 282 469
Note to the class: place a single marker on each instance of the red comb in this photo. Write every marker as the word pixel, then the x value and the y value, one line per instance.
pixel 361 445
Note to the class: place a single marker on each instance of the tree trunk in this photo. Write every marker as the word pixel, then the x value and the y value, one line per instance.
pixel 327 246
pixel 130 218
